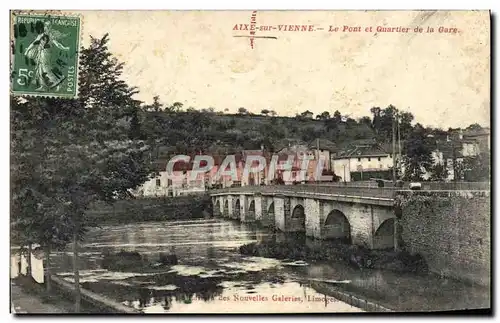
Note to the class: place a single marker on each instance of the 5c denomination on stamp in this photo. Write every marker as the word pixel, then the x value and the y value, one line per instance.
pixel 45 55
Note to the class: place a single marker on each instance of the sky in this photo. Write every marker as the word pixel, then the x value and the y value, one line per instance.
pixel 192 57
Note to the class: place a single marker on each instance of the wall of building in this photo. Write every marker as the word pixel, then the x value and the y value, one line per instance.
pixel 451 230
pixel 176 184
pixel 344 167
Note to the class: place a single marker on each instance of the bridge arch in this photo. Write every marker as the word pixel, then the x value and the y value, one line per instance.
pixel 250 212
pixel 270 209
pixel 251 207
pixel 216 208
pixel 236 209
pixel 337 226
pixel 383 238
pixel 297 219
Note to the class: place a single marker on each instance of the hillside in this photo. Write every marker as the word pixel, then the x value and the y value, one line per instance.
pixel 195 131
pixel 172 131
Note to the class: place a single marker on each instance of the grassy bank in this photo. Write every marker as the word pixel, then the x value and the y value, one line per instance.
pixel 296 249
pixel 151 209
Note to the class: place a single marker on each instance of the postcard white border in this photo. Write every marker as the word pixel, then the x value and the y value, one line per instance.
pixel 190 5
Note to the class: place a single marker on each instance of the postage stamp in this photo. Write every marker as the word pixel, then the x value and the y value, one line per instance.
pixel 45 55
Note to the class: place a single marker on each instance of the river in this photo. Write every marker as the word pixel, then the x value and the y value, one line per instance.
pixel 213 277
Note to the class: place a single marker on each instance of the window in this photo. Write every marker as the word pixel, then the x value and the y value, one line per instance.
pixel 359 159
pixel 379 159
pixel 158 182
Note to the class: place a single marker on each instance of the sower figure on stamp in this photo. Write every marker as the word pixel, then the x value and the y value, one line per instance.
pixel 40 51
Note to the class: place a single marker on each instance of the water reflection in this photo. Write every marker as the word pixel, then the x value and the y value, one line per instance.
pixel 212 276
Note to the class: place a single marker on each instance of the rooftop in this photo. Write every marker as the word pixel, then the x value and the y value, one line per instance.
pixel 358 151
pixel 324 144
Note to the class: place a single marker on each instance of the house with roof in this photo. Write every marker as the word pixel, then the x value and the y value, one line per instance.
pixel 458 146
pixel 177 183
pixel 299 152
pixel 307 114
pixel 363 161
pixel 481 137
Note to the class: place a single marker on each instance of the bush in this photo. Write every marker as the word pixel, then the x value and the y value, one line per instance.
pixel 356 256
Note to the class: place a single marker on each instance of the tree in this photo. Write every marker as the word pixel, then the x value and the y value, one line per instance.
pixel 337 116
pixel 156 106
pixel 439 172
pixel 477 168
pixel 405 127
pixel 474 127
pixel 387 118
pixel 417 155
pixel 242 110
pixel 265 112
pixel 365 120
pixel 323 116
pixel 135 132
pixel 81 150
pixel 309 133
pixel 376 122
pixel 459 170
pixel 176 107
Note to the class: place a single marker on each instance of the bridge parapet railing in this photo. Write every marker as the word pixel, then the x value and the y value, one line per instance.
pixel 459 186
pixel 312 189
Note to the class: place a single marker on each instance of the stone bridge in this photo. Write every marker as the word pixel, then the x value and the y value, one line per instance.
pixel 359 215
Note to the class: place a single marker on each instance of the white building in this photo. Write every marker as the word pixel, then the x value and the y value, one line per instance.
pixel 362 163
pixel 165 185
pixel 179 182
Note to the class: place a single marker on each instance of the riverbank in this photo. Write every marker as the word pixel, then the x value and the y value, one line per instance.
pixel 151 209
pixel 30 297
pixel 385 279
pixel 297 247
pixel 23 302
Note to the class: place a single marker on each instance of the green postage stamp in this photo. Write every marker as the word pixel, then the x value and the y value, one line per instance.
pixel 45 52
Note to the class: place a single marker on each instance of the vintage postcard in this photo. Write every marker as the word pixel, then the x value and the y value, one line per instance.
pixel 250 161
